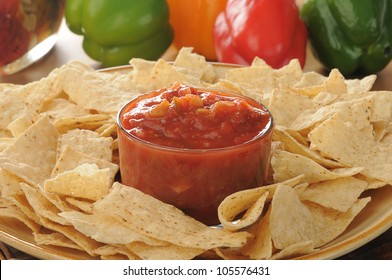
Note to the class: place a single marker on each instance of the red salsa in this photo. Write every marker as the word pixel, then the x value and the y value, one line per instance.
pixel 185 117
pixel 192 148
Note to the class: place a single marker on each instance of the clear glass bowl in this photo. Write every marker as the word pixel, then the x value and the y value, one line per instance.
pixel 28 31
pixel 194 180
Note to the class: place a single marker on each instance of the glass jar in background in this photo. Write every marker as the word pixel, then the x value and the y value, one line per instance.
pixel 28 31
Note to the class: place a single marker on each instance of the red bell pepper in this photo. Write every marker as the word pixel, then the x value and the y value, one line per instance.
pixel 269 29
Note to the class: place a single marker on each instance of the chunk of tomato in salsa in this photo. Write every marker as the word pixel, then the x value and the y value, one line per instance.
pixel 186 117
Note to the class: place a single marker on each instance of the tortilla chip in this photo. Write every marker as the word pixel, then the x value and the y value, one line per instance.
pixel 195 65
pixel 85 181
pixel 293 221
pixel 287 115
pixel 62 108
pixel 110 252
pixel 339 194
pixel 55 239
pixel 108 229
pixel 90 91
pixel 79 204
pixel 16 213
pixel 91 122
pixel 287 165
pixel 12 107
pixel 236 203
pixel 141 71
pixel 260 246
pixel 23 204
pixel 142 211
pixel 87 142
pixel 297 249
pixel 293 145
pixel 252 213
pixel 33 153
pixel 5 142
pixel 352 146
pixel 166 252
pixel 9 184
pixel 87 244
pixel 70 159
pixel 42 207
pixel 19 125
pixel 357 86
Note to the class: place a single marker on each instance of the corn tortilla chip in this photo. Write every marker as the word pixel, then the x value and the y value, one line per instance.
pixel 87 244
pixel 287 165
pixel 292 145
pixel 59 108
pixel 260 246
pixel 110 252
pixel 33 153
pixel 16 213
pixel 292 251
pixel 56 239
pixel 5 142
pixel 87 142
pixel 12 107
pixel 250 216
pixel 23 204
pixel 351 146
pixel 19 125
pixel 107 229
pixel 9 184
pixel 70 159
pixel 42 207
pixel 238 202
pixel 166 252
pixel 293 221
pixel 89 90
pixel 339 194
pixel 142 211
pixel 85 181
pixel 193 64
pixel 79 204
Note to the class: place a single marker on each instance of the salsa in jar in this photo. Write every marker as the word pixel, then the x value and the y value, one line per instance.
pixel 27 31
pixel 192 147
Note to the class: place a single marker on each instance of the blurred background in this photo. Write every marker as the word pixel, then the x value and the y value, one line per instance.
pixel 37 36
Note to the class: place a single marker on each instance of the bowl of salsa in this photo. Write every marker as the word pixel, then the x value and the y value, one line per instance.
pixel 192 147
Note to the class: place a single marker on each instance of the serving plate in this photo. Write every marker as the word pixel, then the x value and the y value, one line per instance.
pixel 373 220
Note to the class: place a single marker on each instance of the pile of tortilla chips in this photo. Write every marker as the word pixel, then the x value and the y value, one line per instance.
pixel 59 162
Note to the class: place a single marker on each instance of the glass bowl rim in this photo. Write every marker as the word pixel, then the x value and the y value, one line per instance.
pixel 268 128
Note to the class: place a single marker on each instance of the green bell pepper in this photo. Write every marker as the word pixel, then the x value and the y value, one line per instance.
pixel 116 30
pixel 353 36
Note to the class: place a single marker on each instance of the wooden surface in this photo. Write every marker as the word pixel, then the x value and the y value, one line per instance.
pixel 68 47
pixel 377 249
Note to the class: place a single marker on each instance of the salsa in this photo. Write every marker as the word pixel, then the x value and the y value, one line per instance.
pixel 192 148
pixel 15 38
pixel 185 117
pixel 24 26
